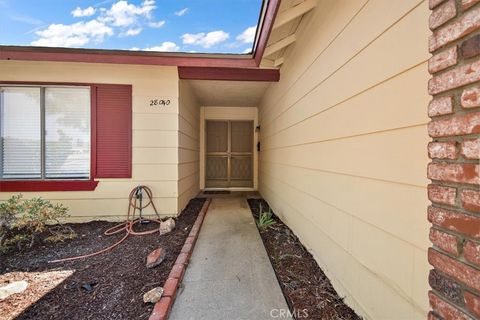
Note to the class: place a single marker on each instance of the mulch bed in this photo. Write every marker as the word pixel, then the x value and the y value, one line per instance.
pixel 306 288
pixel 106 286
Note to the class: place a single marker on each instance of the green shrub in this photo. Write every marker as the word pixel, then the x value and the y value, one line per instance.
pixel 9 211
pixel 22 221
pixel 38 213
pixel 264 219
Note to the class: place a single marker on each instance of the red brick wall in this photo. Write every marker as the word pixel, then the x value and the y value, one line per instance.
pixel 454 153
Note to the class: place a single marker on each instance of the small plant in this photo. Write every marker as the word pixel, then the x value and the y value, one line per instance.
pixel 26 220
pixel 265 219
pixel 60 234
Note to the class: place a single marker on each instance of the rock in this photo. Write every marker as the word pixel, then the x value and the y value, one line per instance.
pixel 153 295
pixel 70 286
pixel 156 257
pixel 167 226
pixel 12 288
pixel 89 286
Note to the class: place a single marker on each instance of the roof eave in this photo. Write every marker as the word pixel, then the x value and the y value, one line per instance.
pixel 232 67
pixel 30 53
pixel 124 57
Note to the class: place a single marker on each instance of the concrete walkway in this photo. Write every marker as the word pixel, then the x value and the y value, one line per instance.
pixel 229 275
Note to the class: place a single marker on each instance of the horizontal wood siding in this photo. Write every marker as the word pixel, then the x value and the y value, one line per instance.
pixel 188 145
pixel 154 134
pixel 343 158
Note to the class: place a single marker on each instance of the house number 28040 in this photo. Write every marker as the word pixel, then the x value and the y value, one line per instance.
pixel 158 102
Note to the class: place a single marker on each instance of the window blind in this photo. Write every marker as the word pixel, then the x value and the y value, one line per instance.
pixel 67 133
pixel 20 126
pixel 45 132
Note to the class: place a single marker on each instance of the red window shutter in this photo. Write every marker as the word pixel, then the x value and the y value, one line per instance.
pixel 113 131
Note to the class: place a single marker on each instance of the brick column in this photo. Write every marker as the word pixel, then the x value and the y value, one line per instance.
pixel 454 152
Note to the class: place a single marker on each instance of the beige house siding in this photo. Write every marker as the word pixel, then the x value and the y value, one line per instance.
pixel 155 134
pixel 343 159
pixel 188 144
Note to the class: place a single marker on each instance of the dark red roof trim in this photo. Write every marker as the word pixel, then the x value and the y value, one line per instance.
pixel 229 74
pixel 267 25
pixel 118 57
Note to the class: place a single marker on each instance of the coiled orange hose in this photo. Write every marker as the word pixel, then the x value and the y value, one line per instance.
pixel 126 226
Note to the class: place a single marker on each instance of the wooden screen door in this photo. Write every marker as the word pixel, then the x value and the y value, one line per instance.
pixel 229 154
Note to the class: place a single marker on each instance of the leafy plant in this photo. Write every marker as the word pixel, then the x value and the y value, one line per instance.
pixel 30 218
pixel 38 213
pixel 60 233
pixel 265 219
pixel 9 210
pixel 17 240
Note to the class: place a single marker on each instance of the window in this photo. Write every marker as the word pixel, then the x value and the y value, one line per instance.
pixel 45 132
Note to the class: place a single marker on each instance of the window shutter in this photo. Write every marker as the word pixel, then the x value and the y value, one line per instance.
pixel 113 131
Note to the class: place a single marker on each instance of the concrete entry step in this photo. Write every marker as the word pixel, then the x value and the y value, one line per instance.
pixel 229 275
pixel 228 194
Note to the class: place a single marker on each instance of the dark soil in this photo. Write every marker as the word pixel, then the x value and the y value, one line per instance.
pixel 106 286
pixel 306 288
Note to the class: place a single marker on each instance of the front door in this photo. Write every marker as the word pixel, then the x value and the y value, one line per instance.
pixel 229 154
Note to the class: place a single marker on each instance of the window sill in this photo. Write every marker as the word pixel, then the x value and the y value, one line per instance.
pixel 47 185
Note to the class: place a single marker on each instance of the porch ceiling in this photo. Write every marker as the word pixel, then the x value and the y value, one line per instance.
pixel 229 93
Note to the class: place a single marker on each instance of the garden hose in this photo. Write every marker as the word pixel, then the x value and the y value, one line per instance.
pixel 135 202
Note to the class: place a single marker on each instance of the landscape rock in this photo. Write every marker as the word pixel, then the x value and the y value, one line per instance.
pixel 153 295
pixel 12 288
pixel 167 226
pixel 89 286
pixel 156 257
